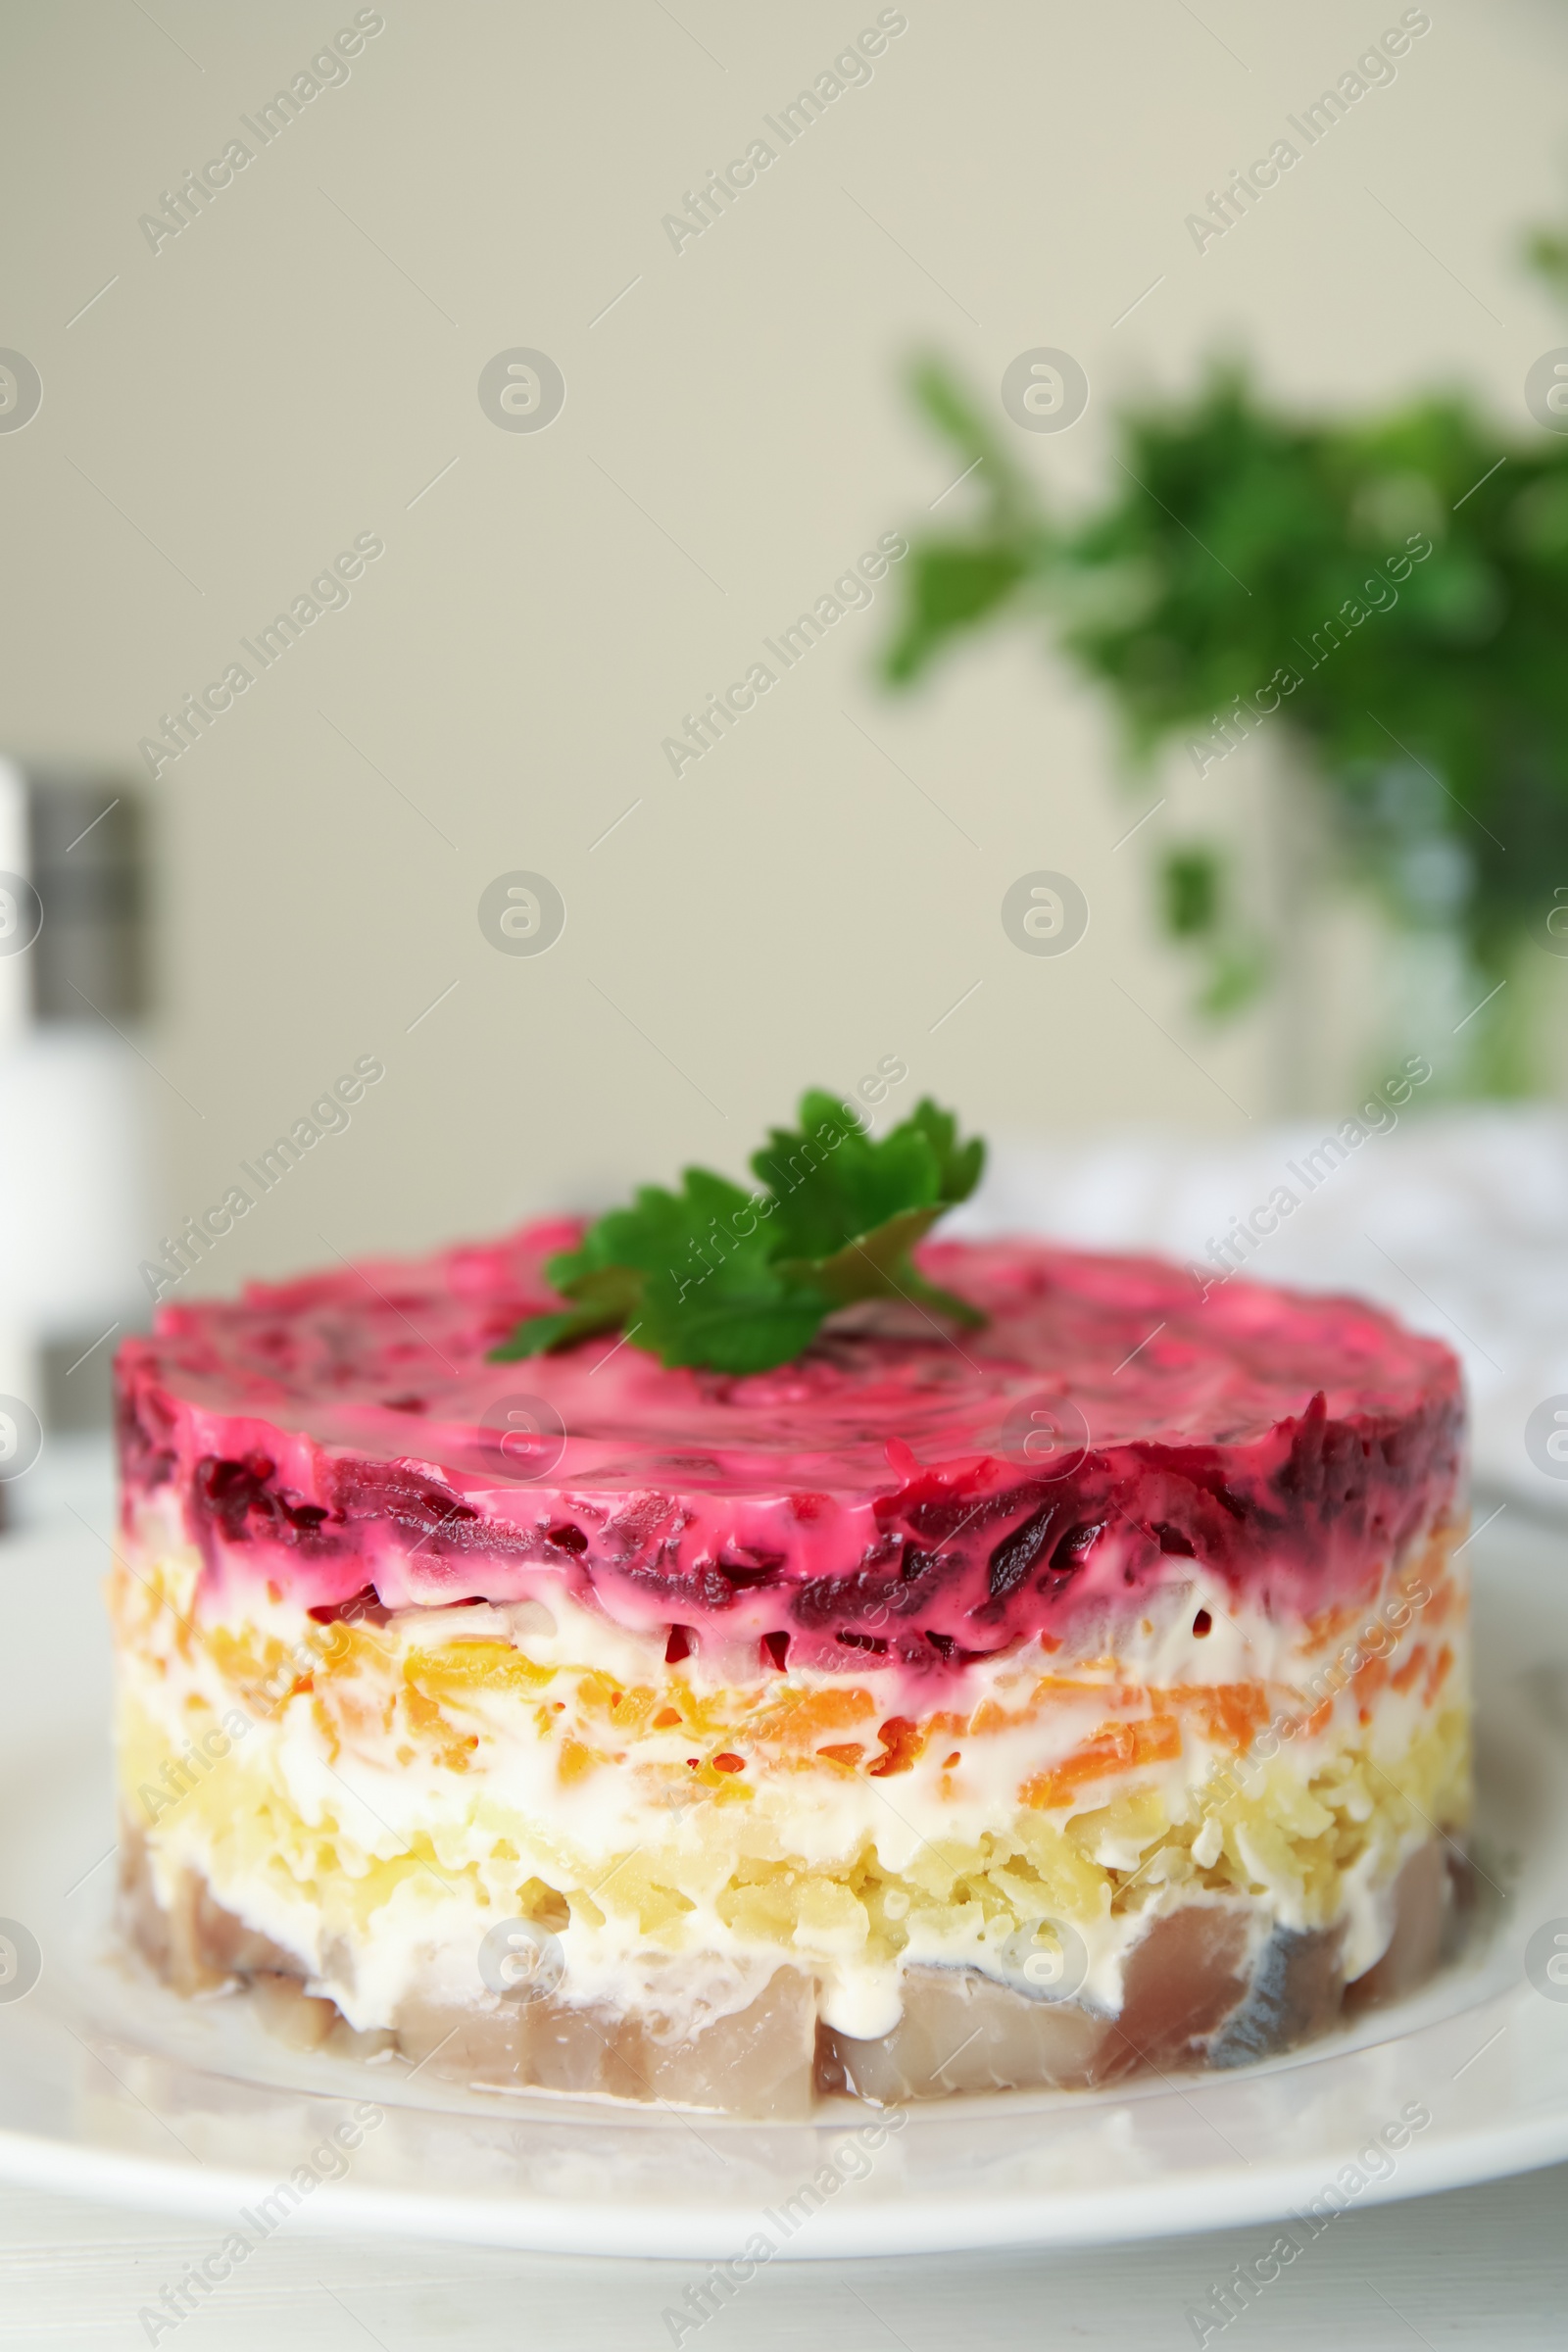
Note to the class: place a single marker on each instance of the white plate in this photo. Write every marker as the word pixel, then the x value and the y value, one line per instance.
pixel 113 2088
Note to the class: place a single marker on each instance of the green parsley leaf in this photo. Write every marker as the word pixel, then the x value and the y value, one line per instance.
pixel 850 1209
pixel 712 1275
pixel 711 1294
pixel 879 1266
pixel 605 1298
pixel 958 1169
pixel 833 1184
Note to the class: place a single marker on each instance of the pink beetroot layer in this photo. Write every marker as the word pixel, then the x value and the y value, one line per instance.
pixel 870 1503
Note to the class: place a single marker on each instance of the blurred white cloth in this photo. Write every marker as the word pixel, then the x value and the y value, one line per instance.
pixel 1457 1219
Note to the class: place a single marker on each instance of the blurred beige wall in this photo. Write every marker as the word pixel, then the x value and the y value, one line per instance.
pixel 300 366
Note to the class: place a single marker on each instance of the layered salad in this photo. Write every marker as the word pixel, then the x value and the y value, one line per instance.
pixel 882 1666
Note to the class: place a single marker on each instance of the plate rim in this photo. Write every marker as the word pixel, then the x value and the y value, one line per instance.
pixel 917 2223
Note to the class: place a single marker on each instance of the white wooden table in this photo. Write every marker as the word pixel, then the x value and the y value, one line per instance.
pixel 1484 2267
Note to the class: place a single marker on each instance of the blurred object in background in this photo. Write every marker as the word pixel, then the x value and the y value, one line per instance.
pixel 1457 1222
pixel 1375 603
pixel 73 985
pixel 89 869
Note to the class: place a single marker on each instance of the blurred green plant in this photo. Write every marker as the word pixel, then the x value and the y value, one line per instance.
pixel 1249 569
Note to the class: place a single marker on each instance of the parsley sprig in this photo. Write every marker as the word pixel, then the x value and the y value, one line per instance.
pixel 740 1280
